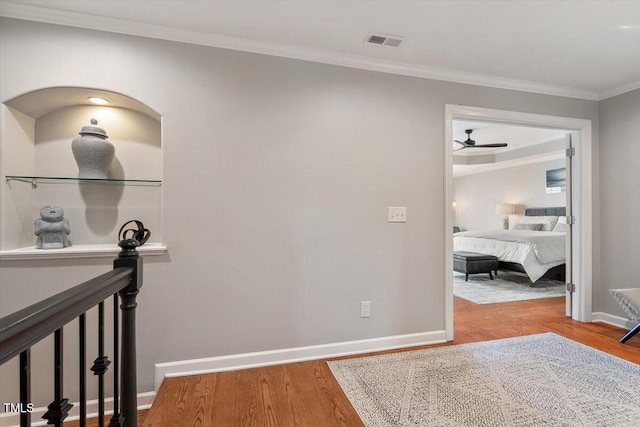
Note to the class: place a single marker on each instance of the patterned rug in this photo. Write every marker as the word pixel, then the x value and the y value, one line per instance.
pixel 537 380
pixel 507 286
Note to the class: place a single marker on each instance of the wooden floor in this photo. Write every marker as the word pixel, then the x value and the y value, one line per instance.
pixel 93 422
pixel 306 393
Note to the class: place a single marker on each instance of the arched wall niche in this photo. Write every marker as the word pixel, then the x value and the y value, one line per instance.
pixel 39 102
pixel 37 130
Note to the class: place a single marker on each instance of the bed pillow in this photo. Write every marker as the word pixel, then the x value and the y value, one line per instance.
pixel 561 226
pixel 548 222
pixel 531 227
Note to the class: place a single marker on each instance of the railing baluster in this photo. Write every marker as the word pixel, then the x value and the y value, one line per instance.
pixel 116 419
pixel 58 364
pixel 101 356
pixel 100 365
pixel 25 387
pixel 59 408
pixel 83 369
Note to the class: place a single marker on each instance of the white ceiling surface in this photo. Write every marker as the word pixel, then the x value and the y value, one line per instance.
pixel 490 133
pixel 570 48
pixel 520 151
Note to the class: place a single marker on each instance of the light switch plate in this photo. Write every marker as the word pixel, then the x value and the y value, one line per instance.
pixel 365 309
pixel 397 214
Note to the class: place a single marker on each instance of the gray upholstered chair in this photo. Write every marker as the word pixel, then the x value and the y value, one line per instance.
pixel 629 300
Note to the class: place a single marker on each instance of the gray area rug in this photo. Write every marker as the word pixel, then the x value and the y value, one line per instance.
pixel 506 287
pixel 537 380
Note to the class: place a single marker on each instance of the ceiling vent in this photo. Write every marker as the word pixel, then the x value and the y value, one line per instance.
pixel 384 39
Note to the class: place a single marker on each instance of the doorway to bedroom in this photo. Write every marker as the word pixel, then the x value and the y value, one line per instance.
pixel 509 192
pixel 511 188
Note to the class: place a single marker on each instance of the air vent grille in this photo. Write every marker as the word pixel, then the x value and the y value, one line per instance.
pixel 384 39
pixel 377 39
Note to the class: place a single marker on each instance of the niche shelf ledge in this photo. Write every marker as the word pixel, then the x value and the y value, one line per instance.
pixel 77 251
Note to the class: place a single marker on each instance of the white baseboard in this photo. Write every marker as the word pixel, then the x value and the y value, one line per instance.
pixel 13 419
pixel 612 320
pixel 290 355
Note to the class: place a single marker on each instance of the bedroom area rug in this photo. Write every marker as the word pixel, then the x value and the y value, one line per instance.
pixel 507 286
pixel 536 380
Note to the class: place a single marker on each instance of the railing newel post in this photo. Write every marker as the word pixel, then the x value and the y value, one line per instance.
pixel 129 257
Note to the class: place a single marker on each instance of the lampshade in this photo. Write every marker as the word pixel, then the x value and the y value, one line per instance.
pixel 505 209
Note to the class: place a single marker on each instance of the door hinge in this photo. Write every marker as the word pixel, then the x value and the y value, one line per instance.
pixel 571 287
pixel 571 151
pixel 570 219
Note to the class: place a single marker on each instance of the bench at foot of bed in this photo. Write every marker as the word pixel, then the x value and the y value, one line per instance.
pixel 474 263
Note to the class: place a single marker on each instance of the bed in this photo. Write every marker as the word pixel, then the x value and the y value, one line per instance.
pixel 537 253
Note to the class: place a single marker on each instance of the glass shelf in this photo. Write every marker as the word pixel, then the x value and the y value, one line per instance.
pixel 34 180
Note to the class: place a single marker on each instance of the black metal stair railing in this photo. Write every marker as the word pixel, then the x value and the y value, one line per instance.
pixel 21 330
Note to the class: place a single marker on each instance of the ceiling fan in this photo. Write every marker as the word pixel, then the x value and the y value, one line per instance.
pixel 470 143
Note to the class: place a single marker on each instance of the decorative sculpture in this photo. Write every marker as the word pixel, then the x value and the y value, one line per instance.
pixel 93 152
pixel 52 228
pixel 139 233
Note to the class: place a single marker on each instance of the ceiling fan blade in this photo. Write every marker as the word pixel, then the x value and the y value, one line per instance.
pixel 462 143
pixel 502 144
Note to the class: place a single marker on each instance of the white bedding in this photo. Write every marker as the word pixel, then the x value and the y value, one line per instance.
pixel 536 251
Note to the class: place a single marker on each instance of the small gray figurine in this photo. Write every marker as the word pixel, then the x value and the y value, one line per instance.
pixel 52 228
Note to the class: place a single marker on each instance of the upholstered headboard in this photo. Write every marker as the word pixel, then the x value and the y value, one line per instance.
pixel 559 211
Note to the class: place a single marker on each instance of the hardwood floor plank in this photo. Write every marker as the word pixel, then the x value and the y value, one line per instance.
pixel 283 384
pixel 307 394
pixel 201 405
pixel 342 412
pixel 224 396
pixel 269 398
pixel 303 396
pixel 174 397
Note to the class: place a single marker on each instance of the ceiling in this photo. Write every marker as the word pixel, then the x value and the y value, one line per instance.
pixel 516 136
pixel 582 49
pixel 526 145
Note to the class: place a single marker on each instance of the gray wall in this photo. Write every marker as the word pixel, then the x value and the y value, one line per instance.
pixel 477 195
pixel 620 199
pixel 277 176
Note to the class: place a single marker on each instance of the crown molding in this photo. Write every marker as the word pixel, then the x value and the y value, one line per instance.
pixel 619 90
pixel 92 22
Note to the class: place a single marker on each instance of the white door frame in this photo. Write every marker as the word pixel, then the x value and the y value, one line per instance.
pixel 582 206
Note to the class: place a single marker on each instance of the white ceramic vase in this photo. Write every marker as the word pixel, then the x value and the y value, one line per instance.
pixel 92 151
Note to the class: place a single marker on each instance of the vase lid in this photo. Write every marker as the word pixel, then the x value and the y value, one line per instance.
pixel 93 130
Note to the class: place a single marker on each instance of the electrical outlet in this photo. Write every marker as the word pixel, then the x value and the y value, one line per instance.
pixel 397 214
pixel 365 308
